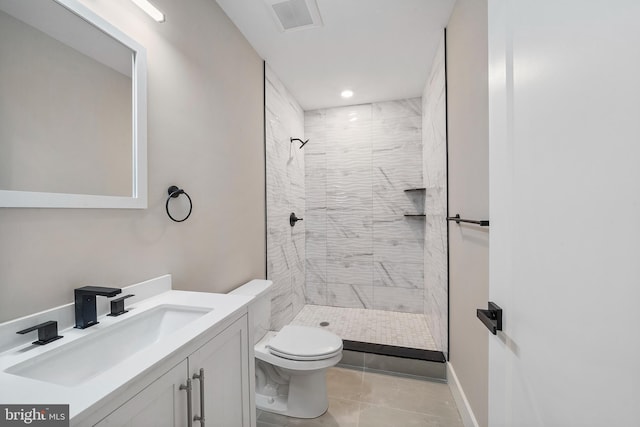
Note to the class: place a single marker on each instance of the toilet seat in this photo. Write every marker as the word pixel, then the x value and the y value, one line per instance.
pixel 305 343
pixel 303 358
pixel 263 353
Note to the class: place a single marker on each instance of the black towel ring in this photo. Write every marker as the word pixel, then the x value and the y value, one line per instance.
pixel 173 193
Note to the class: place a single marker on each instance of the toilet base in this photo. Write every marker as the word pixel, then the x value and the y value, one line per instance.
pixel 306 398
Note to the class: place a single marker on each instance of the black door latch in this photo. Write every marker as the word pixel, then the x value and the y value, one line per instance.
pixel 492 318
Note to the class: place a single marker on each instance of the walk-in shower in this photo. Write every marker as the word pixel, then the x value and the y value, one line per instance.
pixel 369 261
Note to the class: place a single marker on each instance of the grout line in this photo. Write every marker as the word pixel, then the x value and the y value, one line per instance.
pixel 437 417
pixel 402 375
pixel 346 400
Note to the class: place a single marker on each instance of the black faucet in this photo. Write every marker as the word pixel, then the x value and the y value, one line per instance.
pixel 47 332
pixel 85 299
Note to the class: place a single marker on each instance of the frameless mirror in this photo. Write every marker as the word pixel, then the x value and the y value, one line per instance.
pixel 72 109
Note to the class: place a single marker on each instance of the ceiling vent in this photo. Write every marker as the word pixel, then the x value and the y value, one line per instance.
pixel 293 15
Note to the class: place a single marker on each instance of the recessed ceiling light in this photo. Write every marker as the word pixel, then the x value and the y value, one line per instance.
pixel 346 93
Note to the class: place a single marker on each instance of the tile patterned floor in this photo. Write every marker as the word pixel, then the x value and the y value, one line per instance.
pixel 367 399
pixel 374 326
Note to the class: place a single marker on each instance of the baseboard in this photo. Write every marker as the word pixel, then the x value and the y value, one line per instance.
pixel 466 413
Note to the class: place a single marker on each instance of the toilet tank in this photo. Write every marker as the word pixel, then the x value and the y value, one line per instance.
pixel 259 307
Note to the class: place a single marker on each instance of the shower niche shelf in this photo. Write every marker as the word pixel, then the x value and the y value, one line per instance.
pixel 419 191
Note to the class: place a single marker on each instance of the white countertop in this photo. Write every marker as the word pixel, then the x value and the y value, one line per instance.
pixel 21 390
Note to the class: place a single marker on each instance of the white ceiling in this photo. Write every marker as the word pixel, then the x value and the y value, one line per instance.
pixel 381 49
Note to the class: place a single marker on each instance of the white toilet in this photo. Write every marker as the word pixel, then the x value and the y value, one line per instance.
pixel 290 364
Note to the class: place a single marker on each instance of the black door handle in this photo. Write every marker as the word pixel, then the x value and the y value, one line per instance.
pixel 293 219
pixel 492 318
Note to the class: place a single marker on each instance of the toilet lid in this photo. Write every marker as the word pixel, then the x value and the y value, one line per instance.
pixel 305 343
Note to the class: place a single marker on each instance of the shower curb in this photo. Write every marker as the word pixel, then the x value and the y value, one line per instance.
pixel 426 364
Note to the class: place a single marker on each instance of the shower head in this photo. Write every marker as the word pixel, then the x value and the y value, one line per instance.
pixel 298 139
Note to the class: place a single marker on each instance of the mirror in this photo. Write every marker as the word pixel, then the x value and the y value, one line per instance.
pixel 72 109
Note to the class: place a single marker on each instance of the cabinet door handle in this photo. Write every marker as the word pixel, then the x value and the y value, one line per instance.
pixel 187 388
pixel 200 377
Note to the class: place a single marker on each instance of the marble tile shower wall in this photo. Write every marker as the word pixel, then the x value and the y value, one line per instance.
pixel 285 194
pixel 434 134
pixel 361 251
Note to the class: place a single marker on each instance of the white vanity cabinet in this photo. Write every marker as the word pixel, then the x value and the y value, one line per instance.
pixel 225 363
pixel 161 404
pixel 226 378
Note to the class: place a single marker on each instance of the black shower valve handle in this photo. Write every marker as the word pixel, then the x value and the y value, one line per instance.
pixel 293 219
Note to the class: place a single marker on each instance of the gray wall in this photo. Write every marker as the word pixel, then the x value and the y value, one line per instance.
pixel 468 137
pixel 285 194
pixel 362 252
pixel 205 135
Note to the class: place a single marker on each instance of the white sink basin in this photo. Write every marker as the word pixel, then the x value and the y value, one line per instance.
pixel 83 359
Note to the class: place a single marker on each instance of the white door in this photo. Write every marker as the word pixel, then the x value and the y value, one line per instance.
pixel 564 91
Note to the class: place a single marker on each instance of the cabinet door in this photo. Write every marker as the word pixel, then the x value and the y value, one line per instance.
pixel 225 360
pixel 161 404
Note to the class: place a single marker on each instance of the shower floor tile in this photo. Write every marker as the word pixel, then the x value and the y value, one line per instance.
pixel 373 326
